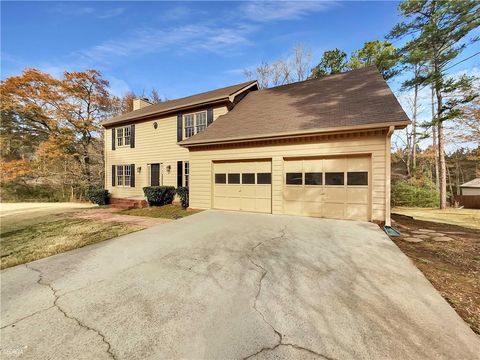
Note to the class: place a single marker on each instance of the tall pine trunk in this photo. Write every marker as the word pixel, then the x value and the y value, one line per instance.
pixel 414 125
pixel 434 140
pixel 442 171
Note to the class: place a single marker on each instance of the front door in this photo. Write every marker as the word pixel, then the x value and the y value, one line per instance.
pixel 154 174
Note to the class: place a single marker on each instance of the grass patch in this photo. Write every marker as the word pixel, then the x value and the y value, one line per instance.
pixel 165 212
pixel 40 240
pixel 469 218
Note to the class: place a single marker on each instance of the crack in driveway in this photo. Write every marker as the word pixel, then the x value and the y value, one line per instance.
pixel 55 304
pixel 280 342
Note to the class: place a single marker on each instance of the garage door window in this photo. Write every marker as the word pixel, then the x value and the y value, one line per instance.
pixel 220 178
pixel 357 178
pixel 294 179
pixel 264 178
pixel 313 178
pixel 248 178
pixel 234 178
pixel 334 178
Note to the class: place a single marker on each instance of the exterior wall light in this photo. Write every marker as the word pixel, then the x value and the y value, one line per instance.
pixel 169 167
pixel 139 169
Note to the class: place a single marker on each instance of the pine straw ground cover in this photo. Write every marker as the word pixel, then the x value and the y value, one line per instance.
pixel 452 267
pixel 31 242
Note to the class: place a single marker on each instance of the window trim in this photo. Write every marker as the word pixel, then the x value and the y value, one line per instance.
pixel 302 182
pixel 123 176
pixel 334 172
pixel 360 172
pixel 312 172
pixel 220 174
pixel 121 140
pixel 194 126
pixel 186 174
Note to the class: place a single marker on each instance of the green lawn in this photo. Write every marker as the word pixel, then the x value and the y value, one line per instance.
pixel 41 239
pixel 462 217
pixel 166 212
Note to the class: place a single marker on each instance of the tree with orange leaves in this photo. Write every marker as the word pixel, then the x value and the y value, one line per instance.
pixel 55 119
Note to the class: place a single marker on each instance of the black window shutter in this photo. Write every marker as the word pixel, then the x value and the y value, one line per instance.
pixel 132 135
pixel 113 175
pixel 209 116
pixel 113 138
pixel 132 175
pixel 179 173
pixel 179 127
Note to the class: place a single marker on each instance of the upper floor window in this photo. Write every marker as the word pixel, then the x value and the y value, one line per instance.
pixel 194 123
pixel 123 136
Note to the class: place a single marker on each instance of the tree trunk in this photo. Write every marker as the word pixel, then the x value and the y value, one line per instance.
pixel 414 125
pixel 441 150
pixel 434 140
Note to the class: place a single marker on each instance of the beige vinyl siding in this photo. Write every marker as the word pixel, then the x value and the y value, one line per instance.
pixel 471 191
pixel 151 146
pixel 373 144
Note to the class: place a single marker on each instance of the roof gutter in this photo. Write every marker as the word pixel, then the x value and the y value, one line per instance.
pixel 288 135
pixel 166 112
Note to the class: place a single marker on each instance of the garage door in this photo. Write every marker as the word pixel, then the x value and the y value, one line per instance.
pixel 243 185
pixel 336 188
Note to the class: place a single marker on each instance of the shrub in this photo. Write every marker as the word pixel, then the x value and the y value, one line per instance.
pixel 414 193
pixel 182 193
pixel 97 195
pixel 159 195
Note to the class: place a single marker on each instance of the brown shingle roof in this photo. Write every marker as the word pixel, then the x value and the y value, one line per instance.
pixel 355 98
pixel 182 103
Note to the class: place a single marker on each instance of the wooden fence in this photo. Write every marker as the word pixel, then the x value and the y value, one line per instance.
pixel 468 201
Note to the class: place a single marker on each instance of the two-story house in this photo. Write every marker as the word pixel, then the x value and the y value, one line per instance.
pixel 319 147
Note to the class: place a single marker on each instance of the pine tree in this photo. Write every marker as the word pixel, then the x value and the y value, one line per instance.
pixel 438 30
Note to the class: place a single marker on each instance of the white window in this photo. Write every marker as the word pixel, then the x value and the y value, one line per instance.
pixel 123 136
pixel 120 175
pixel 189 125
pixel 123 175
pixel 120 137
pixel 126 171
pixel 200 121
pixel 194 123
pixel 186 173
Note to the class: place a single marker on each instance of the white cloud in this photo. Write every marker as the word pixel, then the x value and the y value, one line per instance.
pixel 72 9
pixel 180 39
pixel 263 11
pixel 110 13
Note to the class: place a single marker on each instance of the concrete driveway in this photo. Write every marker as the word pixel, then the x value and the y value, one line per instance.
pixel 226 285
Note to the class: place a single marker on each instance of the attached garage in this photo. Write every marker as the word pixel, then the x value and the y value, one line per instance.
pixel 243 185
pixel 325 144
pixel 332 187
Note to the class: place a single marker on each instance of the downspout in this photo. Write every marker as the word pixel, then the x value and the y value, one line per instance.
pixel 388 173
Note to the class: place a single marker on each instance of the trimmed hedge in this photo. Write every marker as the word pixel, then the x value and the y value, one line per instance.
pixel 159 195
pixel 182 193
pixel 97 196
pixel 415 193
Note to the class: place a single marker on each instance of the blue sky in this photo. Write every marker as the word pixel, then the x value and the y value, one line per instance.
pixel 181 48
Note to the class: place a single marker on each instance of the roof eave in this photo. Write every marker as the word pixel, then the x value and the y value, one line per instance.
pixel 396 125
pixel 218 101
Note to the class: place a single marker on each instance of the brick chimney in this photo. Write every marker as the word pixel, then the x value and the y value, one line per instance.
pixel 139 103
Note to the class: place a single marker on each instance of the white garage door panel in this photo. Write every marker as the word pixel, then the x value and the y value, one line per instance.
pixel 345 201
pixel 244 196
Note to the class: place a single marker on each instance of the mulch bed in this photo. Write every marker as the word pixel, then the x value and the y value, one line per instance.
pixel 453 267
